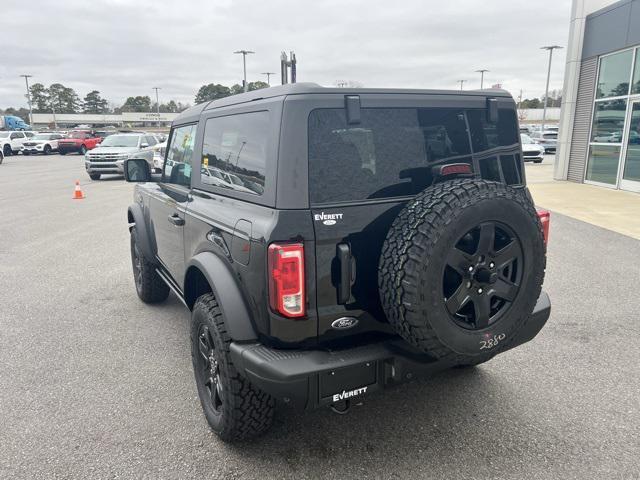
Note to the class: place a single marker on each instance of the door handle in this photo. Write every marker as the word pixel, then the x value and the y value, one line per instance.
pixel 346 273
pixel 176 220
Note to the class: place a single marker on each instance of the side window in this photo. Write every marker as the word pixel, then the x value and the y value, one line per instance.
pixel 485 135
pixel 177 167
pixel 149 140
pixel 234 152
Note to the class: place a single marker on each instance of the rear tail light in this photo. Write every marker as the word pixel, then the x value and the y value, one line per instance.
pixel 545 218
pixel 286 279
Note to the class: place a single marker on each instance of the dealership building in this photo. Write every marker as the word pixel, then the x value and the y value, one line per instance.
pixel 599 141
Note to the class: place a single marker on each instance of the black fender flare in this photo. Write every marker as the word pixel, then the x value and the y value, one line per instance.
pixel 227 292
pixel 135 216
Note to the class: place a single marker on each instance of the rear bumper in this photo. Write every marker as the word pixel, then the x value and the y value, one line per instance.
pixel 314 378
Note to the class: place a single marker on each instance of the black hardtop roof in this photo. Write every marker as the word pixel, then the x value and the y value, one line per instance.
pixel 314 88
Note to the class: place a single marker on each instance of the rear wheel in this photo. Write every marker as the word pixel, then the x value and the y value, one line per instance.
pixel 62 152
pixel 7 150
pixel 149 286
pixel 47 150
pixel 234 408
pixel 462 268
pixel 83 150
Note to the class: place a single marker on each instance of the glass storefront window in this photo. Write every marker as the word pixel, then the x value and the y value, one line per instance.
pixel 635 84
pixel 632 163
pixel 608 121
pixel 603 163
pixel 615 70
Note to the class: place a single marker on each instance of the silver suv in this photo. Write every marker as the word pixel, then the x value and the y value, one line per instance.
pixel 109 156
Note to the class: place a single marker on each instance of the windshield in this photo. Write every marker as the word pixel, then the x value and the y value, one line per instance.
pixel 525 138
pixel 42 136
pixel 4 134
pixel 76 135
pixel 120 141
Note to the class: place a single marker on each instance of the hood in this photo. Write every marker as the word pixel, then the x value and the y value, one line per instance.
pixel 100 149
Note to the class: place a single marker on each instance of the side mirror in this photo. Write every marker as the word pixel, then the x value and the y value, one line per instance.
pixel 144 145
pixel 137 170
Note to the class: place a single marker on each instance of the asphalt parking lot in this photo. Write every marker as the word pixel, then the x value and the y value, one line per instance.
pixel 95 384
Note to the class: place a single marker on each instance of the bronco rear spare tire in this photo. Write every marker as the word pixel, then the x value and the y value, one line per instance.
pixel 462 268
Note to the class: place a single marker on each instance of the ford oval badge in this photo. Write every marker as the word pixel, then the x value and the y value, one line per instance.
pixel 329 222
pixel 344 323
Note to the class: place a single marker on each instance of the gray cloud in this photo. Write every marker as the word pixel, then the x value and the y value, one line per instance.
pixel 125 47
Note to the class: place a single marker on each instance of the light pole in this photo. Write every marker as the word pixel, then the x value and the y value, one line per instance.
pixel 551 48
pixel 244 66
pixel 268 74
pixel 157 103
pixel 461 82
pixel 26 81
pixel 481 72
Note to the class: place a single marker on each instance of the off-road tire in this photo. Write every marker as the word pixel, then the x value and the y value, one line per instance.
pixel 149 286
pixel 94 176
pixel 245 411
pixel 412 265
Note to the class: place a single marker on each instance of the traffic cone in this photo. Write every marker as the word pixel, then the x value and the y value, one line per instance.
pixel 78 195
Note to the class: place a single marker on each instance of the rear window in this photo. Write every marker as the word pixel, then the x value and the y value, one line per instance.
pixel 391 151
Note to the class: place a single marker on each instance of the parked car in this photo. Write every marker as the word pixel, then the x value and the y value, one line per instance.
pixel 46 143
pixel 110 155
pixel 369 258
pixel 547 138
pixel 79 141
pixel 531 150
pixel 11 142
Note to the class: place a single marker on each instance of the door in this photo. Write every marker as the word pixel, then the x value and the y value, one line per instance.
pixel 169 200
pixel 631 167
pixel 360 176
pixel 17 139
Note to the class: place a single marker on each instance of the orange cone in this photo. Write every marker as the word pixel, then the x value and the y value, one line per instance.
pixel 78 195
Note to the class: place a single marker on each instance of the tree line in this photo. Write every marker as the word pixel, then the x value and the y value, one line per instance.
pixel 58 98
pixel 553 100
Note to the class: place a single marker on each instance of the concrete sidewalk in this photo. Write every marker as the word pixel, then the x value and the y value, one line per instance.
pixel 614 210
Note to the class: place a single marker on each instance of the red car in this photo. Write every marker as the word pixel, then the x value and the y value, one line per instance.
pixel 78 141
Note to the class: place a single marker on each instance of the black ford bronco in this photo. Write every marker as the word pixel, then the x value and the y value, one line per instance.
pixel 332 242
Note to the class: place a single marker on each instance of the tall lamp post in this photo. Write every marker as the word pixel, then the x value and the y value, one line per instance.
pixel 268 74
pixel 157 103
pixel 481 72
pixel 551 48
pixel 244 66
pixel 26 81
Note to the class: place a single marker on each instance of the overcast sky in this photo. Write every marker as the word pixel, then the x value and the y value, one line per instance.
pixel 125 47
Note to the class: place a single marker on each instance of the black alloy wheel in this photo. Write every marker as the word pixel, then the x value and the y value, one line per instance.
pixel 482 275
pixel 47 150
pixel 208 369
